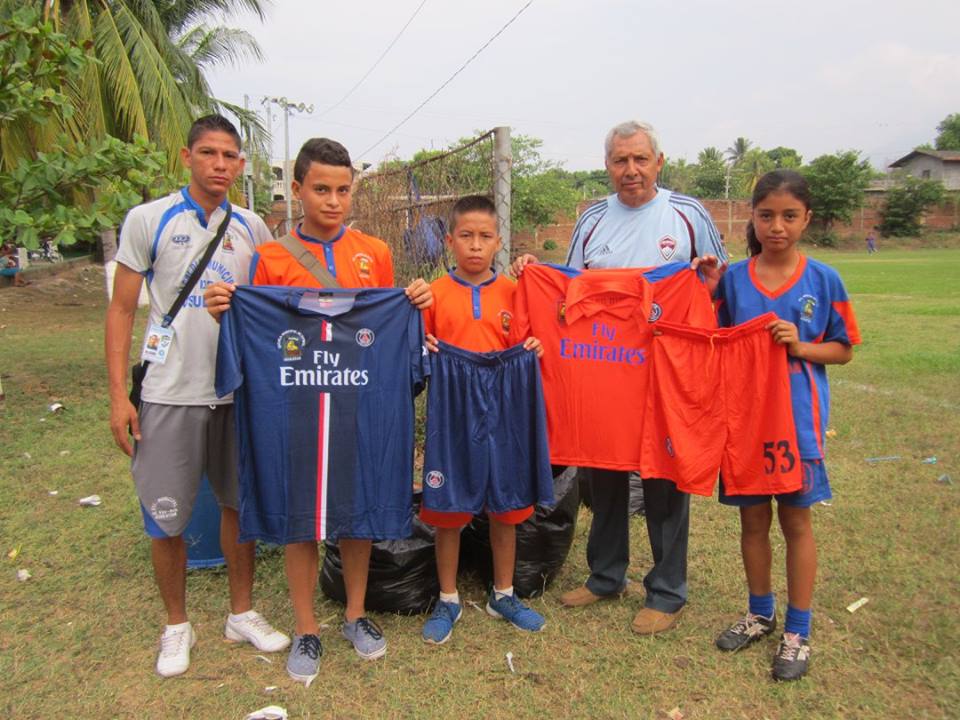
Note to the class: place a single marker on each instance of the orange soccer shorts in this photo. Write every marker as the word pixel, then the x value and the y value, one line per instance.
pixel 441 519
pixel 719 400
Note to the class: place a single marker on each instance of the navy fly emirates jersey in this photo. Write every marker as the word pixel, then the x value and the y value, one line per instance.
pixel 323 384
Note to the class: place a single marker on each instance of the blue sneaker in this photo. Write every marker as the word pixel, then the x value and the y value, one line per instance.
pixel 515 612
pixel 439 627
pixel 367 638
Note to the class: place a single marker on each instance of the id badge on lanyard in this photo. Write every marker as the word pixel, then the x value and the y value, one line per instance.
pixel 157 343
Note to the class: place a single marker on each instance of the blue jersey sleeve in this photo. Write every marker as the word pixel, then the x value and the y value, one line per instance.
pixel 841 322
pixel 229 366
pixel 419 360
pixel 723 301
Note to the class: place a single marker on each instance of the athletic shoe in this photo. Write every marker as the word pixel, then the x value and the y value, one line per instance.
pixel 746 631
pixel 792 658
pixel 303 663
pixel 650 622
pixel 367 638
pixel 438 629
pixel 175 645
pixel 515 612
pixel 253 628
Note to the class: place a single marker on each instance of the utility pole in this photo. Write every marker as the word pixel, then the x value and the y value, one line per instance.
pixel 289 107
pixel 248 167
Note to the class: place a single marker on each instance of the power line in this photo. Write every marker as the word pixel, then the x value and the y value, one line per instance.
pixel 373 67
pixel 449 79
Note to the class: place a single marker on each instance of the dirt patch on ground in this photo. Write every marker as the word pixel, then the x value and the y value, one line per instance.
pixel 81 285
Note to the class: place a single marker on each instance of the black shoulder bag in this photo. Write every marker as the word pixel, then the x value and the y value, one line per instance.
pixel 139 371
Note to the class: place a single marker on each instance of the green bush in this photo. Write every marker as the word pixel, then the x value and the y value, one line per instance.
pixel 905 203
pixel 549 245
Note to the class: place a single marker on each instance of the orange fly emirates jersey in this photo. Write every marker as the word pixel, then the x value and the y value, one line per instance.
pixel 595 326
pixel 356 260
pixel 474 317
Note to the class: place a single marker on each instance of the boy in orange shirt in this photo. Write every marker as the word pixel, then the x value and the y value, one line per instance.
pixel 473 310
pixel 323 182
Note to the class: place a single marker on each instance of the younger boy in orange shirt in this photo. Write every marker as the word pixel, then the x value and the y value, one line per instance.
pixel 472 310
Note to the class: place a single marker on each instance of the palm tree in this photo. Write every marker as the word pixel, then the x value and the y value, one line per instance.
pixel 709 155
pixel 149 80
pixel 739 148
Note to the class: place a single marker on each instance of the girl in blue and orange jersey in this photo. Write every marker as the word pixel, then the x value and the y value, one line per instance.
pixel 817 326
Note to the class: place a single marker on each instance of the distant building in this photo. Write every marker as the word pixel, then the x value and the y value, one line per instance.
pixel 942 165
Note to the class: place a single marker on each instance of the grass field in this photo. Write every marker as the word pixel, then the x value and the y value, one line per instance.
pixel 78 639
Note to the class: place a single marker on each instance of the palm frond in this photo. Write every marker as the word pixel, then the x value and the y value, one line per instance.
pixel 208 46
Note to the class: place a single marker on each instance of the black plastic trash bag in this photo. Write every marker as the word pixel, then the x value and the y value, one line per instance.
pixel 403 573
pixel 543 540
pixel 636 491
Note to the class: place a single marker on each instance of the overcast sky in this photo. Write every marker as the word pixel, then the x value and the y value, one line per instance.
pixel 818 76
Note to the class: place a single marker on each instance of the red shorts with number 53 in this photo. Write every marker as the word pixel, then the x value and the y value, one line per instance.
pixel 720 400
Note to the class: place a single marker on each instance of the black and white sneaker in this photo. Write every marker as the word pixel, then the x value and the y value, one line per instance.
pixel 792 658
pixel 745 631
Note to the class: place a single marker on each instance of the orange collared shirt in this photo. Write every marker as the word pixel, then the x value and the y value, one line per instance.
pixel 355 259
pixel 478 318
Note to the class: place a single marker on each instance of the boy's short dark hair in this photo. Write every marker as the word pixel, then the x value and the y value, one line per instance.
pixel 211 123
pixel 471 203
pixel 320 150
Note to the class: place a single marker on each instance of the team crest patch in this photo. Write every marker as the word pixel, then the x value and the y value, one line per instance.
pixel 164 508
pixel 291 344
pixel 655 312
pixel 808 303
pixel 364 264
pixel 181 240
pixel 365 337
pixel 669 446
pixel 562 312
pixel 227 245
pixel 505 320
pixel 434 479
pixel 668 246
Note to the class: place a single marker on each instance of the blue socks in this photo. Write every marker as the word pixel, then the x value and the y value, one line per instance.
pixel 763 605
pixel 798 621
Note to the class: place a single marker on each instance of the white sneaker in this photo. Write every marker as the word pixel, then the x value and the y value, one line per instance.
pixel 175 644
pixel 253 628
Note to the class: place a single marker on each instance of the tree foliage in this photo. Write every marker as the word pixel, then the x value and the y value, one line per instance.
pixel 905 202
pixel 80 187
pixel 784 157
pixel 148 80
pixel 739 148
pixel 948 133
pixel 837 183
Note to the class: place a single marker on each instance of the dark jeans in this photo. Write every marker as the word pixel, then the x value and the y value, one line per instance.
pixel 608 549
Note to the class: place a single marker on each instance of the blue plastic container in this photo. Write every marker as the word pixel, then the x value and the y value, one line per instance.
pixel 202 535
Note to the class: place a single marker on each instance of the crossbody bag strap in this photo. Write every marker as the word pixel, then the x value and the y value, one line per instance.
pixel 291 243
pixel 198 270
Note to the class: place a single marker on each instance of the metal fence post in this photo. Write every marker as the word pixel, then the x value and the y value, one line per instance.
pixel 503 165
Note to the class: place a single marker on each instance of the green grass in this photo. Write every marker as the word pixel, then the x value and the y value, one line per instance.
pixel 78 639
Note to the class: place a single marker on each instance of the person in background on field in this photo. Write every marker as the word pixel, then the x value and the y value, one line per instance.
pixel 10 264
pixel 817 325
pixel 182 430
pixel 871 242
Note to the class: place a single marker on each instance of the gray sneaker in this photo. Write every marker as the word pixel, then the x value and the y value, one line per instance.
pixel 367 638
pixel 303 663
